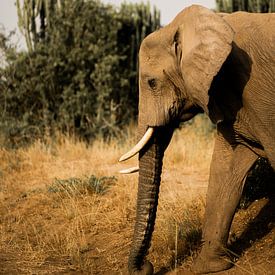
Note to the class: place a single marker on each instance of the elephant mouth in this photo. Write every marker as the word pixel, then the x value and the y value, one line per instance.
pixel 141 144
pixel 138 147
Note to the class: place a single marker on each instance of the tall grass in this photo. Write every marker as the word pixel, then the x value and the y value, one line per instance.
pixel 51 221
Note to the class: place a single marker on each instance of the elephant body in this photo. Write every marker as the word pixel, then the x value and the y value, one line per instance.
pixel 223 65
pixel 252 65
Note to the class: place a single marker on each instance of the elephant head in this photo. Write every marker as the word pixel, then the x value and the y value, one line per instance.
pixel 177 66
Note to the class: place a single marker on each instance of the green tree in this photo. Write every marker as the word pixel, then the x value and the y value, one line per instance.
pixel 80 74
pixel 246 5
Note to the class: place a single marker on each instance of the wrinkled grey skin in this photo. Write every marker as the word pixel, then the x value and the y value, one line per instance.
pixel 222 65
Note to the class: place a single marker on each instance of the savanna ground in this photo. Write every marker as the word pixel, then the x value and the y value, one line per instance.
pixel 65 209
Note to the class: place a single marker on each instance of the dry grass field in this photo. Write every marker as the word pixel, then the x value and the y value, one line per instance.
pixel 65 209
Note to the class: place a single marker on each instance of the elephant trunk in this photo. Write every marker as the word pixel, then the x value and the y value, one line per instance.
pixel 150 167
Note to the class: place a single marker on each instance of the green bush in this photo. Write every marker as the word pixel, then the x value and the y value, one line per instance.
pixel 246 5
pixel 79 75
pixel 82 186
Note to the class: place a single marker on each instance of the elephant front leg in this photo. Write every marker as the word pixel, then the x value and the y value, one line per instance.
pixel 228 172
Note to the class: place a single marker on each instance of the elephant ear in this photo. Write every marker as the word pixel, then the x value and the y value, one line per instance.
pixel 203 42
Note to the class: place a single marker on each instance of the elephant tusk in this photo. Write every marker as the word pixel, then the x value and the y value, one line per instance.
pixel 129 170
pixel 139 145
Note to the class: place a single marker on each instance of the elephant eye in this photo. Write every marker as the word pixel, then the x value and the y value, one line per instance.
pixel 152 83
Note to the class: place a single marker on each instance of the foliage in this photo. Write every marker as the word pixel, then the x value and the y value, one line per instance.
pixel 7 49
pixel 246 5
pixel 79 75
pixel 78 186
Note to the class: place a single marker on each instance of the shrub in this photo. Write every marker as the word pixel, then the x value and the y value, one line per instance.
pixel 86 185
pixel 79 75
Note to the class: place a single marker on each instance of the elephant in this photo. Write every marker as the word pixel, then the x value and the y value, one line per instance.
pixel 222 65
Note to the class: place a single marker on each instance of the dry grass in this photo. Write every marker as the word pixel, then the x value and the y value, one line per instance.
pixel 62 211
pixel 52 221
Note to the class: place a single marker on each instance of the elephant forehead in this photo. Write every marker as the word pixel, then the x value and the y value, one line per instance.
pixel 154 62
pixel 154 47
pixel 151 70
pixel 150 57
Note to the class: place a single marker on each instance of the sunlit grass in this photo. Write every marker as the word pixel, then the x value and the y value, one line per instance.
pixel 61 207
